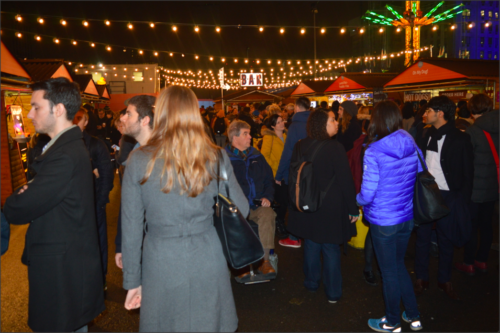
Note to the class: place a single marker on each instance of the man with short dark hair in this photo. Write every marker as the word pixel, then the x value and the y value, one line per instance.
pixel 138 124
pixel 296 132
pixel 255 177
pixel 324 105
pixel 62 245
pixel 449 157
pixel 485 184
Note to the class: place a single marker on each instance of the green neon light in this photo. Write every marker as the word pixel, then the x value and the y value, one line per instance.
pixel 395 13
pixel 434 9
pixel 379 16
pixel 446 12
pixel 414 9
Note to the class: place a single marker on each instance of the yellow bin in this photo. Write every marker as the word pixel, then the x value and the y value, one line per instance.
pixel 358 241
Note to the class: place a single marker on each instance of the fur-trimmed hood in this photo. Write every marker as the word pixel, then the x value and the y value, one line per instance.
pixel 267 131
pixel 364 116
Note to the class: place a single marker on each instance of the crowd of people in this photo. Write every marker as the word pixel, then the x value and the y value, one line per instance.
pixel 166 151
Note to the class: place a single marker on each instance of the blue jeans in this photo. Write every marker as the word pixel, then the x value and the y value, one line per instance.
pixel 390 244
pixel 332 277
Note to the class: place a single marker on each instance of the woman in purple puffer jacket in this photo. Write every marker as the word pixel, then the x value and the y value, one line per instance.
pixel 390 168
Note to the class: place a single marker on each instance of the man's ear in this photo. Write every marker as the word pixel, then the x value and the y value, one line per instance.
pixel 59 110
pixel 145 121
pixel 86 122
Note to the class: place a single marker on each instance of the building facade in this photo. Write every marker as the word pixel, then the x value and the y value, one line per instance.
pixel 125 79
pixel 477 33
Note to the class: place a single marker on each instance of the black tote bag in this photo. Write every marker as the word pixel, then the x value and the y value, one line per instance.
pixel 428 204
pixel 240 244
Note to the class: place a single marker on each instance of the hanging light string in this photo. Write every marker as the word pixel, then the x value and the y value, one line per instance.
pixel 235 61
pixel 152 24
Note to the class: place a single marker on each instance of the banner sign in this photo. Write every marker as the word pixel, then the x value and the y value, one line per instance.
pixel 454 94
pixel 251 79
pixel 415 97
pixel 379 95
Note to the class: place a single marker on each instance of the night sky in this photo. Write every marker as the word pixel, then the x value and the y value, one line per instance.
pixel 231 42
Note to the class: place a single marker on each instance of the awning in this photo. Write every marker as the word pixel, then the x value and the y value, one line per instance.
pixel 312 88
pixel 44 69
pixel 439 72
pixel 87 85
pixel 10 65
pixel 357 82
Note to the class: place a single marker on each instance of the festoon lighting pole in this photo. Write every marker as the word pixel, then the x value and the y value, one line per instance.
pixel 314 11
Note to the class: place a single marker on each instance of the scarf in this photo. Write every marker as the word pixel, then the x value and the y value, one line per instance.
pixel 437 134
pixel 243 154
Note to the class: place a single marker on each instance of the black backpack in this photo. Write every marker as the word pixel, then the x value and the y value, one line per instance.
pixel 304 189
pixel 220 125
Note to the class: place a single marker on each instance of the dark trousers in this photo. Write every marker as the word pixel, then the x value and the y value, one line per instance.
pixel 482 223
pixel 281 197
pixel 102 230
pixel 332 277
pixel 369 254
pixel 424 231
pixel 390 244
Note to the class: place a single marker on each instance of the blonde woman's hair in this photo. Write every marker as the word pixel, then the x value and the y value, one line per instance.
pixel 179 140
pixel 274 109
pixel 346 120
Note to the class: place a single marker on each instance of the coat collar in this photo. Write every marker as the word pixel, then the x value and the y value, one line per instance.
pixel 70 135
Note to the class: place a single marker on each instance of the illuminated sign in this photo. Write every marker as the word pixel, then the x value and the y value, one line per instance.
pixel 16 109
pixel 415 97
pixel 251 79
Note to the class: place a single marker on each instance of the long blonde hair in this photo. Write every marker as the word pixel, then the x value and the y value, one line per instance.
pixel 180 140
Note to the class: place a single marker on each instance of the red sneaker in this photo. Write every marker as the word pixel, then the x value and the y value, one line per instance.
pixel 287 242
pixel 480 266
pixel 467 269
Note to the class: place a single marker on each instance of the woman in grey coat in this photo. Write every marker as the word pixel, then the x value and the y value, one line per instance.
pixel 178 275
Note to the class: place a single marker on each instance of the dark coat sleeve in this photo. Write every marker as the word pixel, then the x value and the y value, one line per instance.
pixel 468 167
pixel 268 180
pixel 46 191
pixel 345 179
pixel 127 144
pixel 104 166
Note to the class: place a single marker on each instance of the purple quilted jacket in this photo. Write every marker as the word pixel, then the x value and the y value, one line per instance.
pixel 390 167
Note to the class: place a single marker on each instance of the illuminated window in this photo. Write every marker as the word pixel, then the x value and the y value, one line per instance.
pixel 490 14
pixel 482 14
pixel 481 55
pixel 138 77
pixel 481 41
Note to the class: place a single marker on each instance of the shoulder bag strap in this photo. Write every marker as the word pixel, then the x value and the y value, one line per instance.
pixel 222 172
pixel 420 159
pixel 493 150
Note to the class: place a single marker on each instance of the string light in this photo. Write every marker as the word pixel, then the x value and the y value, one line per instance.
pixel 217 29
pixel 381 30
pixel 56 40
pixel 342 30
pixel 108 48
pixel 63 22
pixel 130 26
pixel 302 31
pixel 40 20
pixel 107 22
pixel 196 29
pixel 92 45
pixel 196 57
pixel 282 31
pixel 141 52
pixel 19 35
pixel 152 25
pixel 322 30
pixel 38 38
pixel 398 29
pixel 156 54
pixel 74 42
pixel 19 18
pixel 174 28
pixel 85 23
pixel 362 30
pixel 434 28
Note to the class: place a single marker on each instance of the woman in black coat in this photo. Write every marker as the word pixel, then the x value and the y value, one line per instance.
pixel 349 126
pixel 333 223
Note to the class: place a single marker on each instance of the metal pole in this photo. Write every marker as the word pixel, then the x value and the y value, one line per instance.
pixel 314 31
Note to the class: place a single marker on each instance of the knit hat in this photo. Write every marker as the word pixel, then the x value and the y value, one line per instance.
pixel 350 108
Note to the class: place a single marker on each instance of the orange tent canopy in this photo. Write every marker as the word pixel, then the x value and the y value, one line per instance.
pixel 442 69
pixel 344 83
pixel 10 65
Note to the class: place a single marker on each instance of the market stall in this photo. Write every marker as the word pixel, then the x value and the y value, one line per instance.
pixel 456 78
pixel 244 96
pixel 314 90
pixel 366 88
pixel 88 88
pixel 15 105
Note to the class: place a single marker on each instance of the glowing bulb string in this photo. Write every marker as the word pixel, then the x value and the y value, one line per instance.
pixel 277 62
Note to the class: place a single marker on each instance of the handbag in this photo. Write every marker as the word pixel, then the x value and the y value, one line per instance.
pixel 428 204
pixel 240 244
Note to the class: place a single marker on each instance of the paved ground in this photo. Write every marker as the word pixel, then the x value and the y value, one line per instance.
pixel 283 304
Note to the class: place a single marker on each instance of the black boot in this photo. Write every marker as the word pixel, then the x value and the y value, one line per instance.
pixel 281 229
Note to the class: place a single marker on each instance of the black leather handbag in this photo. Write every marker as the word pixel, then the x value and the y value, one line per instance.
pixel 428 204
pixel 240 244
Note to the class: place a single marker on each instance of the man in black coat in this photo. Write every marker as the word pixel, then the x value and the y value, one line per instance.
pixel 62 247
pixel 449 158
pixel 485 189
pixel 103 171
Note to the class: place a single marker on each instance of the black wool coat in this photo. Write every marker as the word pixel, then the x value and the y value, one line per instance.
pixel 61 248
pixel 330 223
pixel 457 160
pixel 351 134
